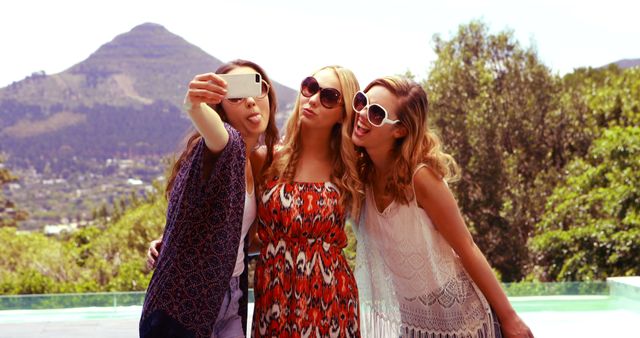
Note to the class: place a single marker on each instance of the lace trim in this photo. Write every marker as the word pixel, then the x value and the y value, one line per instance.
pixel 411 292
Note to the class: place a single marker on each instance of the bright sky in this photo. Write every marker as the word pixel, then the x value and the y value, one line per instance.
pixel 292 38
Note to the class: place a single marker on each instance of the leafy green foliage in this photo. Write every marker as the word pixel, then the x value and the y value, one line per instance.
pixel 493 104
pixel 591 229
pixel 350 250
pixel 537 288
pixel 103 257
pixel 9 214
pixel 513 127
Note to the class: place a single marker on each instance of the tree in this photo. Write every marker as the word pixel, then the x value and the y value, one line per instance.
pixel 591 229
pixel 108 257
pixel 9 215
pixel 494 105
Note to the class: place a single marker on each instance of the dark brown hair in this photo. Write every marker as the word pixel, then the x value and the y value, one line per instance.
pixel 270 137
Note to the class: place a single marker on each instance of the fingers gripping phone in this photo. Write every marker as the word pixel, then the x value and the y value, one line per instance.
pixel 243 85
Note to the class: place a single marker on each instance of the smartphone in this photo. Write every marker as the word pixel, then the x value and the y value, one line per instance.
pixel 243 85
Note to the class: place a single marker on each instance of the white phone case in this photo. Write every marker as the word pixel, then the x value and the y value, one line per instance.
pixel 243 85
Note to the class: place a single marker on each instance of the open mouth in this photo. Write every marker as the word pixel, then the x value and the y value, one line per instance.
pixel 361 129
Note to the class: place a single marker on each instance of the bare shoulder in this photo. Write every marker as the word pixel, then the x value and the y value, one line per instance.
pixel 258 157
pixel 434 196
pixel 428 184
pixel 259 154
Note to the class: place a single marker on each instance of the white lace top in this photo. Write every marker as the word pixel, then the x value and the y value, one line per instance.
pixel 410 281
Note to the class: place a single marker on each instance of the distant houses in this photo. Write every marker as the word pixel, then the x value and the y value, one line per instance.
pixel 65 226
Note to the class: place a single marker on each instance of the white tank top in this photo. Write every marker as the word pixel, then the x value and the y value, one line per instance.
pixel 248 216
pixel 410 280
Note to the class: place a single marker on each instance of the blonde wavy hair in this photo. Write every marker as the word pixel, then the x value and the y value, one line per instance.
pixel 420 145
pixel 344 174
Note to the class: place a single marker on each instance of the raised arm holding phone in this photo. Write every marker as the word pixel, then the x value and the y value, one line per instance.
pixel 199 287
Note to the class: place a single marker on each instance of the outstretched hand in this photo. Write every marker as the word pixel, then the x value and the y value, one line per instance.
pixel 206 88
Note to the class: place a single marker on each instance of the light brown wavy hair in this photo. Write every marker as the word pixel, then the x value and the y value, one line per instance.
pixel 344 174
pixel 269 138
pixel 420 145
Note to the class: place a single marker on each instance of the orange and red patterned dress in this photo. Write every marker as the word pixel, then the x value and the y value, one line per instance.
pixel 303 284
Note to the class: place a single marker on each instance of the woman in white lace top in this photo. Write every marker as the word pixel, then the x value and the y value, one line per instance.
pixel 418 269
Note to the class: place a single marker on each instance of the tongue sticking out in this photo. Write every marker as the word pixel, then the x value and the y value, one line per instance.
pixel 256 118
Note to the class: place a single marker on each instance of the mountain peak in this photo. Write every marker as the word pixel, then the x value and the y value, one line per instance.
pixel 154 60
pixel 150 32
pixel 125 98
pixel 143 42
pixel 149 26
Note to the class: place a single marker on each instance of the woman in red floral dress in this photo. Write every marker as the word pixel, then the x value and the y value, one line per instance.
pixel 303 284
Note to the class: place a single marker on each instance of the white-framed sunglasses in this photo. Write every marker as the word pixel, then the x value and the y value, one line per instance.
pixel 376 114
